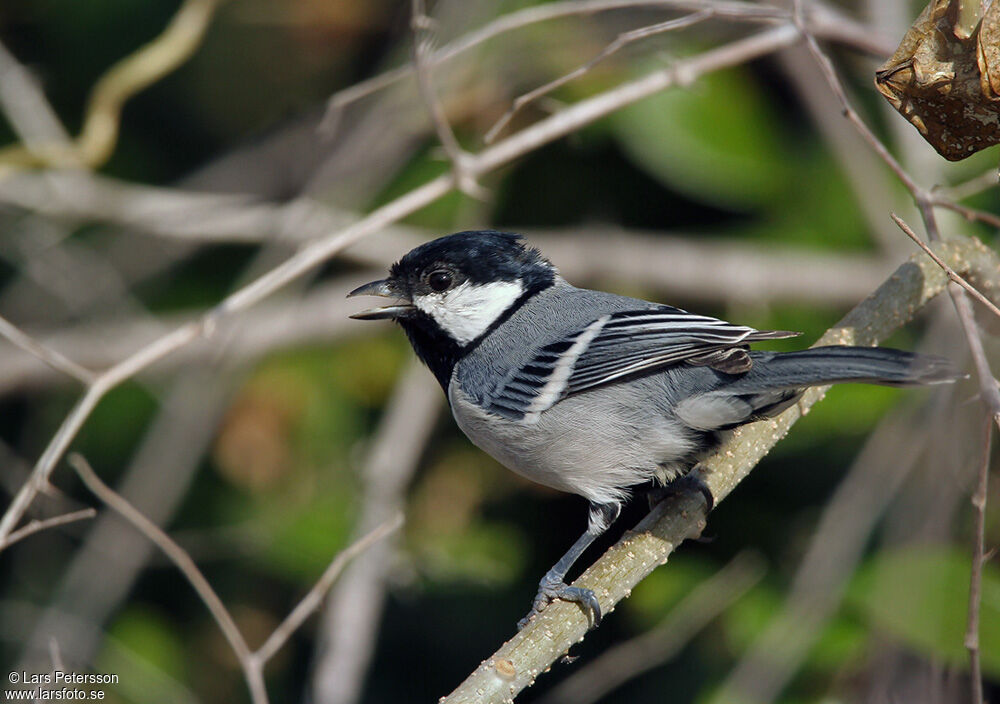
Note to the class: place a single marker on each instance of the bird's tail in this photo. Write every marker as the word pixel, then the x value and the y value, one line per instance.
pixel 830 365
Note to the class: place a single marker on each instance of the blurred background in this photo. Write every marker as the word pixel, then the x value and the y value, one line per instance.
pixel 267 448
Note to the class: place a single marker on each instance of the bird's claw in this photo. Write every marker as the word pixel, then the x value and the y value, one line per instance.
pixel 549 591
pixel 689 482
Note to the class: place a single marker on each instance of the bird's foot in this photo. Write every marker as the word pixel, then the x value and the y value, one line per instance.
pixel 549 590
pixel 691 481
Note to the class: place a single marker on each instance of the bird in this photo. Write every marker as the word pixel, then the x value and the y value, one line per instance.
pixel 594 393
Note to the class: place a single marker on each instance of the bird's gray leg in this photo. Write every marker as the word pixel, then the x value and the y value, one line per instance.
pixel 553 585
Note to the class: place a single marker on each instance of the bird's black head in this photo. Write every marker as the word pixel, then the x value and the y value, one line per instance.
pixel 454 290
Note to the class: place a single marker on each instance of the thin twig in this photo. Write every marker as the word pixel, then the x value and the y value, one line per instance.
pixel 621 41
pixel 739 11
pixel 970 214
pixel 175 45
pixel 988 388
pixel 312 600
pixel 922 196
pixel 155 481
pixel 251 662
pixel 824 22
pixel 150 63
pixel 348 629
pixel 186 565
pixel 56 655
pixel 974 186
pixel 990 394
pixel 420 25
pixel 632 658
pixel 871 186
pixel 81 411
pixel 952 274
pixel 925 200
pixel 30 115
pixel 51 357
pixel 978 560
pixel 40 525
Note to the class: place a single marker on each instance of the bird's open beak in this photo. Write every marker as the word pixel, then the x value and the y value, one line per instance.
pixel 386 289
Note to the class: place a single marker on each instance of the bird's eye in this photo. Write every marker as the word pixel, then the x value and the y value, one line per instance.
pixel 439 280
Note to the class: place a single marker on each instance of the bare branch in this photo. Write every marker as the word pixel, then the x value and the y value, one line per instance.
pixel 970 214
pixel 947 269
pixel 129 76
pixel 186 565
pixel 155 481
pixel 420 25
pixel 871 186
pixel 823 21
pixel 643 653
pixel 975 185
pixel 351 619
pixel 978 560
pixel 252 663
pixel 621 41
pixel 987 382
pixel 30 115
pixel 175 45
pixel 36 526
pixel 922 196
pixel 320 315
pixel 312 600
pixel 51 357
pixel 533 15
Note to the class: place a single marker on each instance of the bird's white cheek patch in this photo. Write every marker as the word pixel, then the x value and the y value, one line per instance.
pixel 467 311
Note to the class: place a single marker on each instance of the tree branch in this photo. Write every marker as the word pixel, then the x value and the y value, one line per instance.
pixel 186 565
pixel 349 626
pixel 251 662
pixel 312 600
pixel 134 73
pixel 978 560
pixel 526 17
pixel 54 359
pixel 630 659
pixel 620 42
pixel 420 26
pixel 972 290
pixel 825 22
pixel 38 526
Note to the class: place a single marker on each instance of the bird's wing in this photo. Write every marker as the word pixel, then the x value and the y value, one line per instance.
pixel 618 345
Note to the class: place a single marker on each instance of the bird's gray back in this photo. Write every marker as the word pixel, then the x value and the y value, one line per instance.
pixel 547 317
